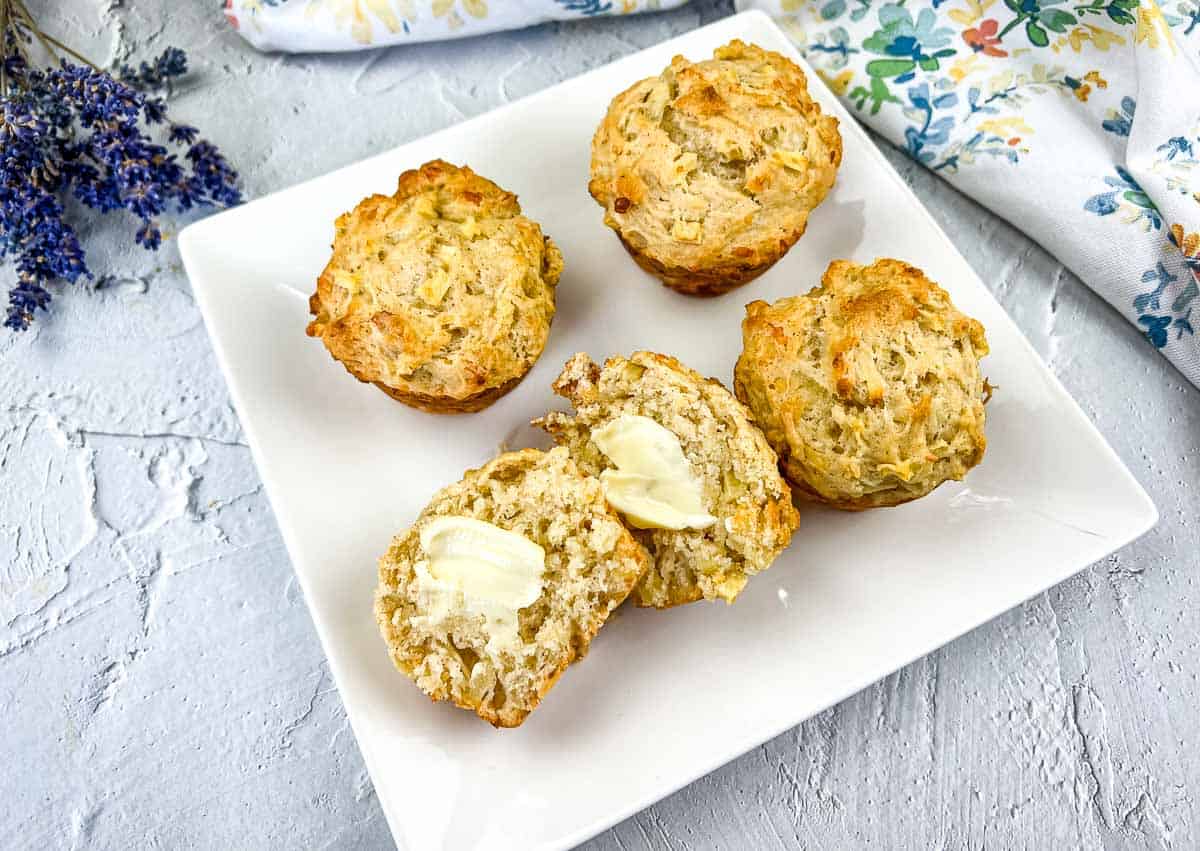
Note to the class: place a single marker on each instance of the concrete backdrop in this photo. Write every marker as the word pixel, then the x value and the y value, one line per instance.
pixel 161 684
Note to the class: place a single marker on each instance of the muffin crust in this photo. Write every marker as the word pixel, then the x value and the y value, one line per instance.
pixel 868 387
pixel 708 172
pixel 441 294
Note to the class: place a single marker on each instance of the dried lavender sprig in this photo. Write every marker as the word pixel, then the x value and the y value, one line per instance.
pixel 75 129
pixel 170 64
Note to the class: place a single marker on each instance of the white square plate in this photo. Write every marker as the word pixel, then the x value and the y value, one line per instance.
pixel 663 697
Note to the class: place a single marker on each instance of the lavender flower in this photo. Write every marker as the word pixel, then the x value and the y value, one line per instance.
pixel 172 63
pixel 76 130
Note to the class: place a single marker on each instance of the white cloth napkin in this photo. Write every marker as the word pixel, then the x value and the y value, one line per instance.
pixel 301 26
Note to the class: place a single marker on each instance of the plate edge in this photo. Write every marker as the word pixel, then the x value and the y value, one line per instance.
pixel 588 833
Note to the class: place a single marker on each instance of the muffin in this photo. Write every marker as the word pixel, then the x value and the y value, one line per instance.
pixel 442 294
pixel 683 463
pixel 708 172
pixel 868 387
pixel 502 582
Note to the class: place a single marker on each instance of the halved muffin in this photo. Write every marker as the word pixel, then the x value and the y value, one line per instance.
pixel 502 582
pixel 681 460
pixel 441 294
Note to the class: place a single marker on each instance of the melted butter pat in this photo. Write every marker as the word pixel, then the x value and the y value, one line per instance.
pixel 477 568
pixel 653 485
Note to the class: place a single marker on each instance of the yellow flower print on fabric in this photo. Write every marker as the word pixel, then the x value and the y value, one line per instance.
pixel 362 15
pixel 1085 34
pixel 447 9
pixel 794 29
pixel 1008 128
pixel 960 69
pixel 1091 78
pixel 840 84
pixel 971 13
pixel 1189 243
pixel 1152 28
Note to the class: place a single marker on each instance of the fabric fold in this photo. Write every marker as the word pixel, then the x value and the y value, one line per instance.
pixel 317 26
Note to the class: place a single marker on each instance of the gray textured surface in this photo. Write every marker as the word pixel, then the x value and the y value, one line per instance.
pixel 161 684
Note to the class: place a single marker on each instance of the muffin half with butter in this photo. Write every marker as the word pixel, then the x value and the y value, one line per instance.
pixel 682 462
pixel 442 294
pixel 709 171
pixel 502 582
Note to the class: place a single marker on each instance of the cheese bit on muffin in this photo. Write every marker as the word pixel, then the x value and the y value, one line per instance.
pixel 868 387
pixel 502 582
pixel 441 294
pixel 708 172
pixel 690 473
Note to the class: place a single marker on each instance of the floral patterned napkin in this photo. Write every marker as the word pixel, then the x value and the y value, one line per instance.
pixel 299 26
pixel 1076 120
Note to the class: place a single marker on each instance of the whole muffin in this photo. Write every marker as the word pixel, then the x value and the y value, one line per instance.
pixel 708 172
pixel 502 582
pixel 728 514
pixel 442 294
pixel 868 387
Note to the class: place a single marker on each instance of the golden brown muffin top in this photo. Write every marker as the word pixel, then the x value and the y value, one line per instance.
pixel 868 386
pixel 717 162
pixel 442 290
